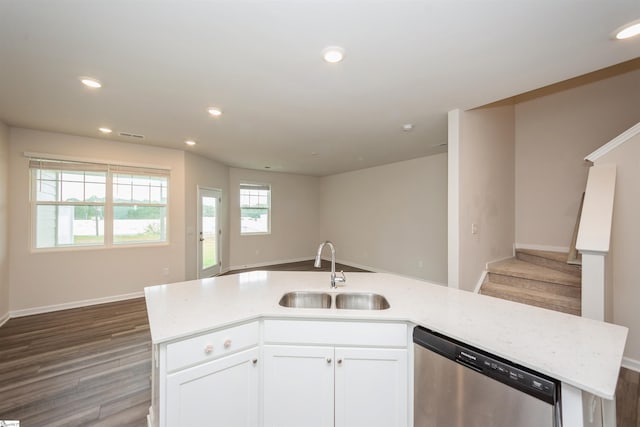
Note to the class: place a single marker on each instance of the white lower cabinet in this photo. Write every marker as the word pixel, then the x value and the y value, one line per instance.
pixel 284 373
pixel 298 386
pixel 370 387
pixel 223 392
pixel 208 379
pixel 341 386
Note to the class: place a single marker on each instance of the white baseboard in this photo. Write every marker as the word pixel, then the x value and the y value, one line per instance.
pixel 630 363
pixel 74 304
pixel 542 247
pixel 4 318
pixel 264 264
pixel 379 270
pixel 480 282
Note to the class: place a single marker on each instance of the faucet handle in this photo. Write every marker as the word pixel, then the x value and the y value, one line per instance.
pixel 342 278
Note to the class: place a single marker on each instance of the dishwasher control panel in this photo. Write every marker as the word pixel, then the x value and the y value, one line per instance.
pixel 521 378
pixel 505 372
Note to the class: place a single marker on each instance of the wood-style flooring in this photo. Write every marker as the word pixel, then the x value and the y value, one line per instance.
pixel 628 398
pixel 88 366
pixel 301 266
pixel 91 366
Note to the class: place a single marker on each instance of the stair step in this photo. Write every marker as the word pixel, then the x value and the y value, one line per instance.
pixel 549 259
pixel 515 269
pixel 534 297
pixel 536 285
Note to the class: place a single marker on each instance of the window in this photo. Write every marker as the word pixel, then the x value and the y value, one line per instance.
pixel 78 204
pixel 255 208
pixel 139 208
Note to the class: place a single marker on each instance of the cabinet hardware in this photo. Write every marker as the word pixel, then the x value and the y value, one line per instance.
pixel 227 343
pixel 339 361
pixel 328 360
pixel 254 361
pixel 208 349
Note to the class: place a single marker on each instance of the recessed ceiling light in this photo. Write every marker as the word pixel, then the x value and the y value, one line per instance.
pixel 407 127
pixel 214 111
pixel 629 30
pixel 333 54
pixel 105 130
pixel 90 82
pixel 190 142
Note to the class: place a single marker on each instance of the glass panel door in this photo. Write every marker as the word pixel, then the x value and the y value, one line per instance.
pixel 208 232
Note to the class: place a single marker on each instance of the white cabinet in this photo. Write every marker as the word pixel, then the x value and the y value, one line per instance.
pixel 335 385
pixel 298 386
pixel 209 379
pixel 222 392
pixel 280 373
pixel 370 387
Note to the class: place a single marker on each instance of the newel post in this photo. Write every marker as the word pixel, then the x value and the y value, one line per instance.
pixel 594 238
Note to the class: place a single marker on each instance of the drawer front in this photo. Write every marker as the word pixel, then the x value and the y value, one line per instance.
pixel 205 347
pixel 335 333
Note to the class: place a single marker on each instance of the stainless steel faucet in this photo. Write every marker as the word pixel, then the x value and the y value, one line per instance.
pixel 317 264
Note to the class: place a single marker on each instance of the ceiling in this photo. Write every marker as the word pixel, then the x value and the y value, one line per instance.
pixel 163 63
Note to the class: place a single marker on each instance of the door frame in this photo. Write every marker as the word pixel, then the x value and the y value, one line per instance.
pixel 208 192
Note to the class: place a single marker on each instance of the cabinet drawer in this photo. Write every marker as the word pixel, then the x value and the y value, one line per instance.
pixel 209 346
pixel 377 334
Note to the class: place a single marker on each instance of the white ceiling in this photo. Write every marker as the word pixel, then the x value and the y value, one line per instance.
pixel 162 63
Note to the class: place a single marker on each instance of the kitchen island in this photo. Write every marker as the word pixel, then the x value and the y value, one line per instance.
pixel 581 353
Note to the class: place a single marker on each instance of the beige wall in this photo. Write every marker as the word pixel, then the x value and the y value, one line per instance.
pixel 625 251
pixel 40 279
pixel 4 221
pixel 553 135
pixel 203 172
pixel 486 190
pixel 390 218
pixel 294 219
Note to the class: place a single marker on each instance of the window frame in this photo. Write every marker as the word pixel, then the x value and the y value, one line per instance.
pixel 108 204
pixel 258 186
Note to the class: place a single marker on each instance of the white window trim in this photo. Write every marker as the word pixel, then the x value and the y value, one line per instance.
pixel 112 167
pixel 255 233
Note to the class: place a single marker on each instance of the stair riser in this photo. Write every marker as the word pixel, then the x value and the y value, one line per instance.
pixel 546 299
pixel 537 303
pixel 520 282
pixel 549 263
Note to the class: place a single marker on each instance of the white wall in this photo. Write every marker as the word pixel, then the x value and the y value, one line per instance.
pixel 41 279
pixel 486 190
pixel 625 251
pixel 390 218
pixel 294 219
pixel 553 135
pixel 200 171
pixel 4 222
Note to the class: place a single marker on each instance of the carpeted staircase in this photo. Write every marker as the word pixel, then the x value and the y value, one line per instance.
pixel 539 278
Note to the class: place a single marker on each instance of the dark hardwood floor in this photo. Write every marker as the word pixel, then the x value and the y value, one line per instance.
pixel 628 398
pixel 91 366
pixel 88 366
pixel 301 266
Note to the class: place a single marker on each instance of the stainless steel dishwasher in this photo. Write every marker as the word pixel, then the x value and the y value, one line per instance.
pixel 456 385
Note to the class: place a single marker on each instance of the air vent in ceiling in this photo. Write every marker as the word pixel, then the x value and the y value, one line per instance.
pixel 131 135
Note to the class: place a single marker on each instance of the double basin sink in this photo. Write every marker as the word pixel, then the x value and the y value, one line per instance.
pixel 345 301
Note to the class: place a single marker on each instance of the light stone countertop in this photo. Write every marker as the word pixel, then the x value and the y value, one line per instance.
pixel 581 352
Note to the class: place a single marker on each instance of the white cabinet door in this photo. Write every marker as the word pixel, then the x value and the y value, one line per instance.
pixel 223 392
pixel 298 386
pixel 371 387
